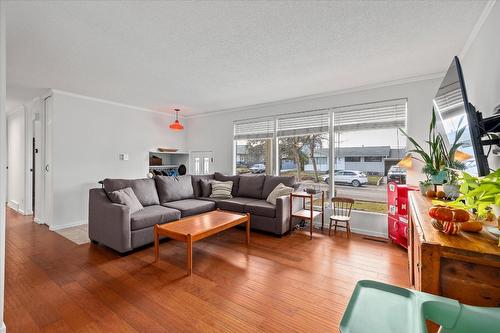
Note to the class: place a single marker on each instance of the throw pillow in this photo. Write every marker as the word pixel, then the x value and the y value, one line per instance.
pixel 126 197
pixel 173 188
pixel 221 189
pixel 206 187
pixel 235 179
pixel 279 191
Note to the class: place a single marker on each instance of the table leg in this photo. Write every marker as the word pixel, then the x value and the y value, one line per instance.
pixel 248 228
pixel 189 245
pixel 311 224
pixel 322 209
pixel 157 243
pixel 290 220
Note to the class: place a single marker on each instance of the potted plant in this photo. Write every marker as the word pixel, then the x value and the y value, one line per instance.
pixel 441 165
pixel 479 195
pixel 434 159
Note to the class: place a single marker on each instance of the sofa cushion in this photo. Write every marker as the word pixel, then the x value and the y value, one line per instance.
pixel 261 208
pixel 221 189
pixel 173 188
pixel 272 181
pixel 251 186
pixel 235 179
pixel 144 189
pixel 211 199
pixel 152 215
pixel 127 197
pixel 235 204
pixel 206 187
pixel 196 182
pixel 189 207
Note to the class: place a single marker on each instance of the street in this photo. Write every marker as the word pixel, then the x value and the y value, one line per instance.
pixel 366 192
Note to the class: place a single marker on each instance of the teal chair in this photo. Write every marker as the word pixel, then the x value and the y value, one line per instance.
pixel 381 308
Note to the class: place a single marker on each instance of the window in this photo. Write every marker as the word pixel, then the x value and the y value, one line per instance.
pixel 367 145
pixel 372 158
pixel 253 143
pixel 364 140
pixel 304 150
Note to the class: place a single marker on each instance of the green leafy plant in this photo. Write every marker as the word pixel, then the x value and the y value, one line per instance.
pixel 477 194
pixel 437 158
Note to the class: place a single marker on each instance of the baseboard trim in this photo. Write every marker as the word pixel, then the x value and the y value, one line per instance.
pixel 37 220
pixel 13 205
pixel 3 329
pixel 369 233
pixel 67 225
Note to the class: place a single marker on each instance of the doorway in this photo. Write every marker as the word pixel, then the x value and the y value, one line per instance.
pixel 201 162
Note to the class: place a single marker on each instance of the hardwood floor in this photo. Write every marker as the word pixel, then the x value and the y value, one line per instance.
pixel 290 284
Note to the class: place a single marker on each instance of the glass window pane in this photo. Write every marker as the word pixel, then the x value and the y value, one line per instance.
pixel 254 156
pixel 367 146
pixel 307 158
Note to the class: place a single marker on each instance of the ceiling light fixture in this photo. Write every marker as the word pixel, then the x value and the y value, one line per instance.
pixel 176 125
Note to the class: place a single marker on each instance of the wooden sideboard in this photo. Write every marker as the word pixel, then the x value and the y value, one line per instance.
pixel 465 266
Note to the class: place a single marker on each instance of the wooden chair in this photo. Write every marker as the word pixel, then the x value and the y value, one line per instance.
pixel 341 213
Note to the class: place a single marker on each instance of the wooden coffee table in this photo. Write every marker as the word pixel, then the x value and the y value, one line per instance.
pixel 194 228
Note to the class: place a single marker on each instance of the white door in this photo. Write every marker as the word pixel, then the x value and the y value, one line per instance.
pixel 201 162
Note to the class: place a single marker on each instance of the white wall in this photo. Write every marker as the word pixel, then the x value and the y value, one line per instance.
pixel 3 158
pixel 16 154
pixel 214 131
pixel 88 136
pixel 481 68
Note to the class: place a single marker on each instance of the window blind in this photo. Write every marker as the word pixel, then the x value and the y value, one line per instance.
pixel 303 125
pixel 388 114
pixel 261 129
pixel 449 104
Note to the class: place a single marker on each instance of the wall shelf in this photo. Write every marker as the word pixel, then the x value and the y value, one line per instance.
pixel 169 160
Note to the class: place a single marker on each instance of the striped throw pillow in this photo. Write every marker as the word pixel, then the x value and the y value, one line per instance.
pixel 221 189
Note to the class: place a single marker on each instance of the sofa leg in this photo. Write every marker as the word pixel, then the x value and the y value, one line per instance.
pixel 94 242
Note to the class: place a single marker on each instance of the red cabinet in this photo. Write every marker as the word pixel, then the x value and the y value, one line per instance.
pixel 397 206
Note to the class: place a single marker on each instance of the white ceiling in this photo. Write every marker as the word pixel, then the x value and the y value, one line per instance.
pixel 206 56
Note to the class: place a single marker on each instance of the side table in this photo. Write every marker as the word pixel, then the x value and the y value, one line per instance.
pixel 307 214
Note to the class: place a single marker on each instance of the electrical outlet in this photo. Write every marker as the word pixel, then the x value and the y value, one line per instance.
pixel 123 156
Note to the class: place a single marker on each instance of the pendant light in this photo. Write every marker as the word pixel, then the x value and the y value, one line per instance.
pixel 176 125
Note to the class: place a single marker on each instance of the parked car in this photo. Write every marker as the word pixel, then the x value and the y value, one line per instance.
pixel 258 168
pixel 348 177
pixel 396 174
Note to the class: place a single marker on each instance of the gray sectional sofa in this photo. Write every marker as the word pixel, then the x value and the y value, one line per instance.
pixel 167 199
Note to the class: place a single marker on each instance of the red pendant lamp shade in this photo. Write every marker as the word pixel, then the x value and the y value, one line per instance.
pixel 176 125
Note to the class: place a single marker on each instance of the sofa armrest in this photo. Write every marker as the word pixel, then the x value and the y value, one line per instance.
pixel 283 212
pixel 109 223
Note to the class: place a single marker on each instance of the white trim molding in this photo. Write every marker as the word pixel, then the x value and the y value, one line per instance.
pixel 68 225
pixel 477 27
pixel 105 101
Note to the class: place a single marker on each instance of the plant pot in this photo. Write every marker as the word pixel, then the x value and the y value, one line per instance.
pixel 451 191
pixel 440 178
pixel 425 187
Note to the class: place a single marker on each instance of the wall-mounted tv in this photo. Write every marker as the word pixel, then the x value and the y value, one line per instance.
pixel 455 111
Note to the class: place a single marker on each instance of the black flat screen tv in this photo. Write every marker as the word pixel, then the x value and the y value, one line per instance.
pixel 454 111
